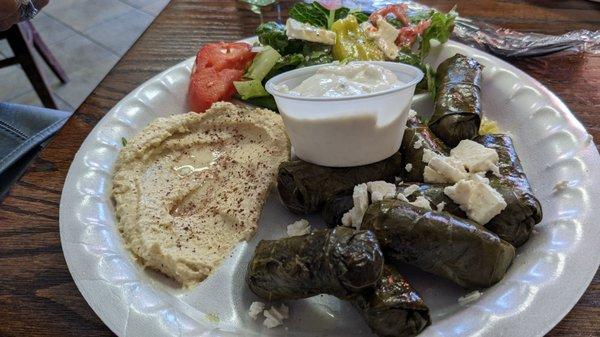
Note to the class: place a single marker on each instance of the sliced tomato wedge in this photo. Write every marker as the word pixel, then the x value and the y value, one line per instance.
pixel 208 86
pixel 216 67
pixel 221 55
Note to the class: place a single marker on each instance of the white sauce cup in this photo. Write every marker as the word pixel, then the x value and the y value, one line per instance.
pixel 350 130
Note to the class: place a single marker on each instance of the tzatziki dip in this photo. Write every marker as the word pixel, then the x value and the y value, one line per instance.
pixel 342 115
pixel 340 80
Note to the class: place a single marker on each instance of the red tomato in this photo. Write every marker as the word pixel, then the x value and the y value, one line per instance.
pixel 208 85
pixel 221 55
pixel 217 66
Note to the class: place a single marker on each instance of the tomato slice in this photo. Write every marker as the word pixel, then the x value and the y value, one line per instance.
pixel 221 55
pixel 217 66
pixel 208 86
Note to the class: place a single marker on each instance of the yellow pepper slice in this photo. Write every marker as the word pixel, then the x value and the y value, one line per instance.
pixel 351 43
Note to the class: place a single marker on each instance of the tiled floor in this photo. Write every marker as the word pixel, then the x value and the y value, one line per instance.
pixel 87 37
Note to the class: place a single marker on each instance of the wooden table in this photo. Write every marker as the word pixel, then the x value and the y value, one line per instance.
pixel 37 294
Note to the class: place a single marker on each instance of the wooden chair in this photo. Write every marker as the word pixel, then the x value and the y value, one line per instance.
pixel 23 38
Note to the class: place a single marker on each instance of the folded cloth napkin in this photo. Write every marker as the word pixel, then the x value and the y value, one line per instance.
pixel 24 130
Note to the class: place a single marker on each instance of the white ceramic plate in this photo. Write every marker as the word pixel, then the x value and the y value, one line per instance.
pixel 549 274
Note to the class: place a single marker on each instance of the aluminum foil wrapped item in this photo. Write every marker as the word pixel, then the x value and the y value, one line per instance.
pixel 501 41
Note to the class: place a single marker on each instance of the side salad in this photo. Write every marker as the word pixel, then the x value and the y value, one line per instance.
pixel 316 33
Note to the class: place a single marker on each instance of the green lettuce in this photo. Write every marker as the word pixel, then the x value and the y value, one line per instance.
pixel 419 16
pixel 312 54
pixel 317 15
pixel 428 81
pixel 442 25
pixel 273 34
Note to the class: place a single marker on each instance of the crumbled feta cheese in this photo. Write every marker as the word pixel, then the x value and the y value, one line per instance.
pixel 384 35
pixel 475 157
pixel 271 322
pixel 561 185
pixel 467 155
pixel 422 202
pixel 470 297
pixel 419 143
pixel 451 169
pixel 440 207
pixel 427 155
pixel 401 196
pixel 276 316
pixel 477 198
pixel 300 227
pixel 410 190
pixel 408 167
pixel 431 176
pixel 412 113
pixel 381 190
pixel 495 170
pixel 442 169
pixel 347 218
pixel 360 196
pixel 480 175
pixel 255 309
pixel 298 30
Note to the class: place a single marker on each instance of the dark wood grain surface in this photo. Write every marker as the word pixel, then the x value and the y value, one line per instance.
pixel 37 294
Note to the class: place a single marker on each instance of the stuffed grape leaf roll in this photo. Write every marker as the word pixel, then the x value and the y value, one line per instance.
pixel 392 308
pixel 418 137
pixel 304 187
pixel 438 242
pixel 337 261
pixel 435 194
pixel 339 204
pixel 457 109
pixel 335 207
pixel 515 223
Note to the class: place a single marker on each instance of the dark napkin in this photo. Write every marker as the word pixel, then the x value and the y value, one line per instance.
pixel 24 130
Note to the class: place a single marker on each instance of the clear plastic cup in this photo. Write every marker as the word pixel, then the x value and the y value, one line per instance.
pixel 350 130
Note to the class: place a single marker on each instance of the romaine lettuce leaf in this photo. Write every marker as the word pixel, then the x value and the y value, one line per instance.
pixel 312 54
pixel 273 34
pixel 440 29
pixel 428 81
pixel 317 15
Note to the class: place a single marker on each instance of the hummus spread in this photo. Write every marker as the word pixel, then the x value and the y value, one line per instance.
pixel 187 188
